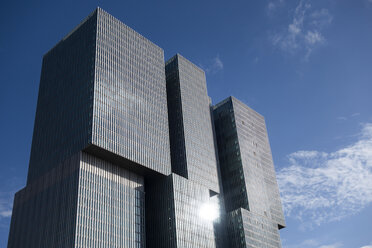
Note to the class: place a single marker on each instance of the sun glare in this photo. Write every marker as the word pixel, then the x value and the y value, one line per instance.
pixel 209 211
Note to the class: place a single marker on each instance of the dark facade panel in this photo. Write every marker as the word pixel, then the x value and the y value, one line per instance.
pixel 160 213
pixel 232 171
pixel 63 122
pixel 175 117
pixel 234 225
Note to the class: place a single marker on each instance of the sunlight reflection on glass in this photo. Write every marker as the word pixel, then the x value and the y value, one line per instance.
pixel 209 211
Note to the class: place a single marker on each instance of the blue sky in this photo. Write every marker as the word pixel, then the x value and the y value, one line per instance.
pixel 305 65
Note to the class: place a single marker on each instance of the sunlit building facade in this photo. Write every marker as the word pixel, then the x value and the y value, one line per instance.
pixel 251 194
pixel 187 220
pixel 192 143
pixel 127 151
pixel 101 127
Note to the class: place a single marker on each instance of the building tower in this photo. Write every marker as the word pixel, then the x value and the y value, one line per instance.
pixel 193 185
pixel 252 200
pixel 127 151
pixel 101 126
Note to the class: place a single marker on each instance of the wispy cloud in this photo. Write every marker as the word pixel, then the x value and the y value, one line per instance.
pixel 305 31
pixel 319 187
pixel 304 244
pixel 313 37
pixel 344 118
pixel 310 243
pixel 215 65
pixel 335 245
pixel 218 63
pixel 320 18
pixel 273 5
pixel 367 246
pixel 6 202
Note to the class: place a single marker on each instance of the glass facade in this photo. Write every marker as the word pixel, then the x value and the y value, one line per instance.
pixel 111 206
pixel 63 121
pixel 175 218
pixel 44 212
pixel 248 176
pixel 232 171
pixel 104 85
pixel 192 144
pixel 192 229
pixel 130 116
pixel 82 202
pixel 249 230
pixel 127 151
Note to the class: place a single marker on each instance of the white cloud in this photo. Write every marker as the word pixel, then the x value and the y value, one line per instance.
pixel 273 5
pixel 6 202
pixel 320 187
pixel 304 244
pixel 336 245
pixel 218 63
pixel 304 32
pixel 306 154
pixel 6 213
pixel 313 37
pixel 310 243
pixel 289 40
pixel 215 65
pixel 320 18
pixel 367 246
pixel 344 118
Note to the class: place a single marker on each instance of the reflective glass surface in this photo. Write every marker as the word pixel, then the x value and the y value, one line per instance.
pixel 106 86
pixel 130 115
pixel 179 213
pixel 248 175
pixel 111 206
pixel 192 143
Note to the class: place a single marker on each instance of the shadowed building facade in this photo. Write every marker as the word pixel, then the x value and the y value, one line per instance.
pixel 127 151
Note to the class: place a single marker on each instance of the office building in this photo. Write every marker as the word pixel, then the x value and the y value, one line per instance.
pixel 194 183
pixel 192 143
pixel 251 194
pixel 127 151
pixel 101 126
